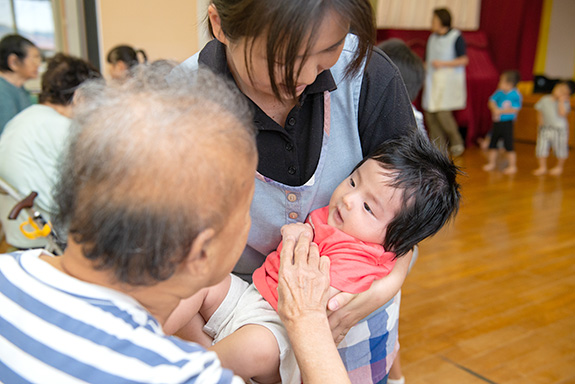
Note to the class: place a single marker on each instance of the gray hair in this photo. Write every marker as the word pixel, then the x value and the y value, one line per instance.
pixel 150 165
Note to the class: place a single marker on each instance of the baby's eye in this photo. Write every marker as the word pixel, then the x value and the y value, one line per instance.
pixel 351 182
pixel 367 208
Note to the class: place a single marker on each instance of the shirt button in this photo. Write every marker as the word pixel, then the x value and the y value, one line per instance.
pixel 293 215
pixel 291 197
pixel 289 146
pixel 291 121
pixel 291 170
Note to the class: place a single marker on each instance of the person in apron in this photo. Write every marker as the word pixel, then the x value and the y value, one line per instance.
pixel 322 99
pixel 445 88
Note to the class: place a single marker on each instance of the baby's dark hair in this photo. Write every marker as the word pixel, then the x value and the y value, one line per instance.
pixel 431 193
pixel 512 77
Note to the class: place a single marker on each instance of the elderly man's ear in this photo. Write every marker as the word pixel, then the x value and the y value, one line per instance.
pixel 199 263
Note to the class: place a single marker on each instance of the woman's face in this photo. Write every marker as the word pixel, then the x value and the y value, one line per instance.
pixel 118 70
pixel 27 68
pixel 436 26
pixel 323 54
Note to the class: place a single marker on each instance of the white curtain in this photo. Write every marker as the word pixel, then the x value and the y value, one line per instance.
pixel 417 14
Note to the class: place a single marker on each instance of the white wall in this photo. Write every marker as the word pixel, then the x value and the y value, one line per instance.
pixel 165 30
pixel 560 57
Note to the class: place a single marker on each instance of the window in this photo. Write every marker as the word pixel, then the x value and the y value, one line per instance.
pixel 33 19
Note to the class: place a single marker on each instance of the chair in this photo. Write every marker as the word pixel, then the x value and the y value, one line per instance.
pixel 23 223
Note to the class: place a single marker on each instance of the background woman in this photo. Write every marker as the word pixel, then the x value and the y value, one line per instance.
pixel 319 107
pixel 445 88
pixel 19 62
pixel 35 138
pixel 122 59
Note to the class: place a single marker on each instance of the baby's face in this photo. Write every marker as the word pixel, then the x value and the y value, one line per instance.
pixel 363 204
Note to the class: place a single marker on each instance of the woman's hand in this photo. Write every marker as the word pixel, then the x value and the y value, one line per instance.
pixel 345 309
pixel 437 64
pixel 303 294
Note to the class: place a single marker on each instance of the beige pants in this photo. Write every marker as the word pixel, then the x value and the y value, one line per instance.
pixel 443 129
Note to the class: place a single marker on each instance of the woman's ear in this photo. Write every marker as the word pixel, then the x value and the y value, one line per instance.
pixel 13 61
pixel 216 23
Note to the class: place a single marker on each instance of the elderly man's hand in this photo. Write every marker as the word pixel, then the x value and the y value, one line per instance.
pixel 303 280
pixel 303 294
pixel 296 230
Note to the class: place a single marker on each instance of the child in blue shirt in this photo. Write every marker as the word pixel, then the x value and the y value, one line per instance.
pixel 504 105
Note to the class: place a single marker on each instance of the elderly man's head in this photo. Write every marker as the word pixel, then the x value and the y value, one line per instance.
pixel 155 169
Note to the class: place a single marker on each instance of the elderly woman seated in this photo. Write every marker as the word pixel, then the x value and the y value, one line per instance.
pixel 33 141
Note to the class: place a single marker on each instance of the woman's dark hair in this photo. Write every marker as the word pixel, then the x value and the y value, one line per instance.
pixel 444 16
pixel 431 193
pixel 409 64
pixel 63 76
pixel 287 25
pixel 13 44
pixel 126 54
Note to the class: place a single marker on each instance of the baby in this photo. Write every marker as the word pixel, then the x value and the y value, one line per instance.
pixel 401 194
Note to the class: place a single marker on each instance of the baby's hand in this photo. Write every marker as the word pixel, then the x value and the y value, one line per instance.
pixel 296 230
pixel 496 114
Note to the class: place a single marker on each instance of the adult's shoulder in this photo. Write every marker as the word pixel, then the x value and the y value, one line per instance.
pixel 212 56
pixel 380 67
pixel 385 110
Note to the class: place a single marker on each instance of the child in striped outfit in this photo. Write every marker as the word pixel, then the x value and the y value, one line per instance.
pixel 553 130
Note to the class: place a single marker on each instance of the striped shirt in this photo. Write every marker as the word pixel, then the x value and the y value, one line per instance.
pixel 57 329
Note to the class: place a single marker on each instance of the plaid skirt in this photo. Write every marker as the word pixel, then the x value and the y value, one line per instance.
pixel 370 347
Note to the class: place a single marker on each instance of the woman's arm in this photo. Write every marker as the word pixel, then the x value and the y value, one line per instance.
pixel 346 309
pixel 460 61
pixel 303 294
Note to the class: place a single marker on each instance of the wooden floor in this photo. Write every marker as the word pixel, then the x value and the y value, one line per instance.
pixel 492 297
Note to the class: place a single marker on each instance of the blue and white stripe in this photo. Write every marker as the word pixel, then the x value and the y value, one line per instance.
pixel 57 329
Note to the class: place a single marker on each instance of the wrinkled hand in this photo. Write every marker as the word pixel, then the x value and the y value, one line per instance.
pixel 303 281
pixel 303 293
pixel 296 230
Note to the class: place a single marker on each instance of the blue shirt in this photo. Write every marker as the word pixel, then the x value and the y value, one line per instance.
pixel 511 99
pixel 12 100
